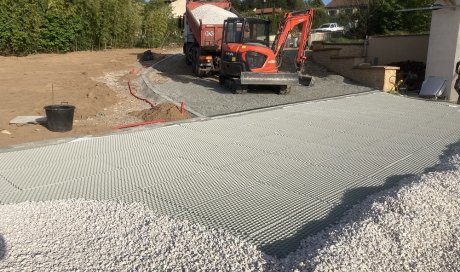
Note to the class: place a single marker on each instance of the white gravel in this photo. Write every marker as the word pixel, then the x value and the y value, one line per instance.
pixel 210 14
pixel 411 227
pixel 106 236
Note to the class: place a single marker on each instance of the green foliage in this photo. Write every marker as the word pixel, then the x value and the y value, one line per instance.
pixel 31 26
pixel 59 29
pixel 174 33
pixel 20 22
pixel 320 17
pixel 246 5
pixel 155 24
pixel 315 3
pixel 383 17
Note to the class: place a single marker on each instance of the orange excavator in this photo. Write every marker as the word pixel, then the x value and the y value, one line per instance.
pixel 249 60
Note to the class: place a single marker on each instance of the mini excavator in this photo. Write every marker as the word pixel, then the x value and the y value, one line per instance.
pixel 249 60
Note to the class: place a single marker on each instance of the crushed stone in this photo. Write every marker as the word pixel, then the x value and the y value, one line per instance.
pixel 81 235
pixel 210 14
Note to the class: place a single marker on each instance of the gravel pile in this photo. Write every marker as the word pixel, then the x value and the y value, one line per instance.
pixel 107 236
pixel 210 14
pixel 411 227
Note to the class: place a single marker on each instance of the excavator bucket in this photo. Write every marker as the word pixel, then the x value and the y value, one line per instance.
pixel 250 78
pixel 306 80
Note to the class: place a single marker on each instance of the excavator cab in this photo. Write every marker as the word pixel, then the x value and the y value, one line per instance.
pixel 246 31
pixel 239 35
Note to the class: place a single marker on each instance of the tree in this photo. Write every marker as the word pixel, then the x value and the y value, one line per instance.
pixel 20 22
pixel 383 17
pixel 155 24
pixel 418 21
pixel 315 3
pixel 320 15
pixel 58 33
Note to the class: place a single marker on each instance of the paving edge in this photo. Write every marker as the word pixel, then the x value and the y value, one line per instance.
pixel 155 90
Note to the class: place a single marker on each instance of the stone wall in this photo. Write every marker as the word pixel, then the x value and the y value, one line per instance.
pixel 354 68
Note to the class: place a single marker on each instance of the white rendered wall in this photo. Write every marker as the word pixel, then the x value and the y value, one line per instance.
pixel 444 45
pixel 178 8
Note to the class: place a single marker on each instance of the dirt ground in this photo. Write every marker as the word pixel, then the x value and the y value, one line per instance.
pixel 94 82
pixel 159 112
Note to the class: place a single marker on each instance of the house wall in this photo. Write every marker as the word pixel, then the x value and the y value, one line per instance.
pixel 178 8
pixel 444 46
pixel 379 50
pixel 382 50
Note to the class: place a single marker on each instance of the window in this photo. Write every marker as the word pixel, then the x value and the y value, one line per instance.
pixel 256 32
pixel 233 33
pixel 333 12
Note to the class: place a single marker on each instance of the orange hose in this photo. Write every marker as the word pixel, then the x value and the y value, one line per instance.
pixel 152 104
pixel 140 124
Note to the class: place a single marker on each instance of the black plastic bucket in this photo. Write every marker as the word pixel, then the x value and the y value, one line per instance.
pixel 59 117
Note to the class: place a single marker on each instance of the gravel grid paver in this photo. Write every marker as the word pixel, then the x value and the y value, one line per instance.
pixel 309 166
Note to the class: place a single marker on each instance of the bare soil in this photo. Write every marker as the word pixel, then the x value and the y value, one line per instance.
pixel 94 82
pixel 166 111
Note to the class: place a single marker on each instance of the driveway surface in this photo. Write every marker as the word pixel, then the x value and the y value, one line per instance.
pixel 273 176
pixel 172 78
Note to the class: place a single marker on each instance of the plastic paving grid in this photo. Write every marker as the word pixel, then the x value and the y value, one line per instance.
pixel 272 176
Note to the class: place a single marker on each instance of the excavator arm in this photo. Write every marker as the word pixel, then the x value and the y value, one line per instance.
pixel 291 20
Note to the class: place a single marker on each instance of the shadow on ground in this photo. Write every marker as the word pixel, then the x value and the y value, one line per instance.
pixel 282 248
pixel 2 247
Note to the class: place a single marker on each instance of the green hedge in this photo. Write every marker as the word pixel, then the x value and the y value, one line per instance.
pixel 36 26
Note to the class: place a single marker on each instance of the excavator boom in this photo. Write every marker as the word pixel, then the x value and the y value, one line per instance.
pixel 291 20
